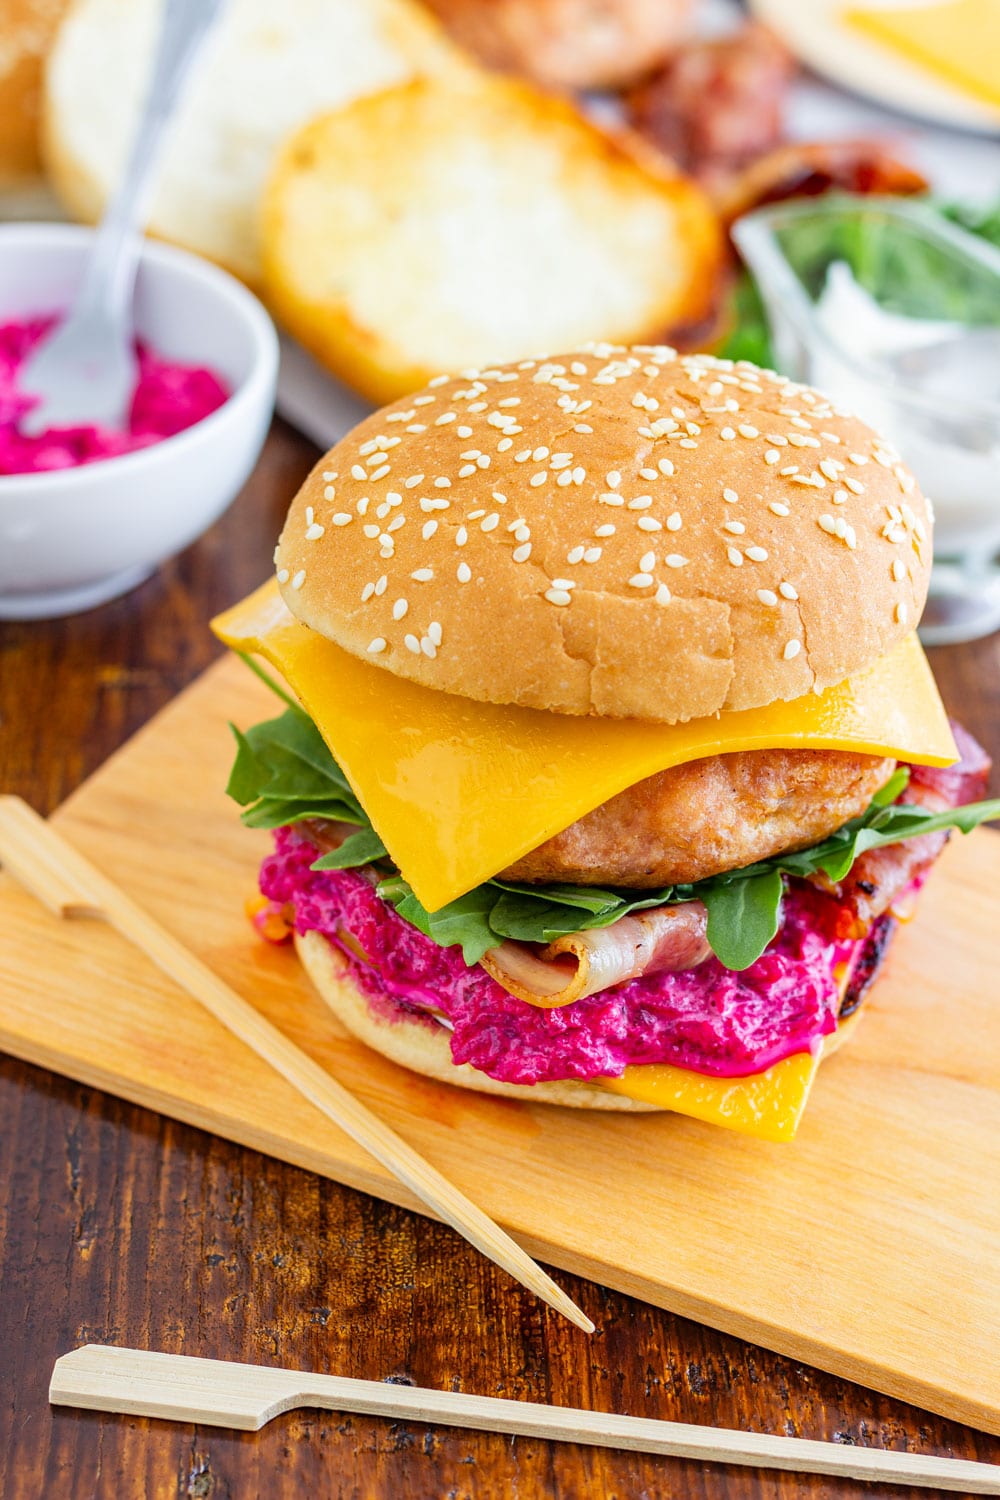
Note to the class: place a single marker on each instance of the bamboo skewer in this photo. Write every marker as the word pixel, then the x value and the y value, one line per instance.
pixel 217 1393
pixel 70 886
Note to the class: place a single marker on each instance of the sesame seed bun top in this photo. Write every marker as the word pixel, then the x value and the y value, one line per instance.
pixel 621 532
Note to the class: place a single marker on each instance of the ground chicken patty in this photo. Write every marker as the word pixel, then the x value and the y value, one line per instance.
pixel 707 816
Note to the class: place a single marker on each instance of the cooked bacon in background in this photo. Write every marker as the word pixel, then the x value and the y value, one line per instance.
pixel 718 109
pixel 807 169
pixel 716 104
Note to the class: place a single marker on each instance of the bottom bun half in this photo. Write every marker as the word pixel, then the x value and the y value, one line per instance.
pixel 426 1048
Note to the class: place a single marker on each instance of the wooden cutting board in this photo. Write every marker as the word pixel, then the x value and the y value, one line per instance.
pixel 870 1246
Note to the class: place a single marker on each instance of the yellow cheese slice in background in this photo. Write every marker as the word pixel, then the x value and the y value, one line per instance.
pixel 957 40
pixel 458 790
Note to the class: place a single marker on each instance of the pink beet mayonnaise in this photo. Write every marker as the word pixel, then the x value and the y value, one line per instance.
pixel 708 1019
pixel 168 398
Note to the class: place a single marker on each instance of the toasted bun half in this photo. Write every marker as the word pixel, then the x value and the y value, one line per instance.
pixel 426 1049
pixel 620 532
pixel 453 220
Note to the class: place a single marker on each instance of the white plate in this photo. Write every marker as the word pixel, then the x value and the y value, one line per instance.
pixel 812 29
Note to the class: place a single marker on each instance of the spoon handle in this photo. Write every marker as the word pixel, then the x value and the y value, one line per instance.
pixel 111 270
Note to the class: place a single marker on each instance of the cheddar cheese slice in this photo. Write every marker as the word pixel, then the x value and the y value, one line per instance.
pixel 767 1105
pixel 958 40
pixel 458 790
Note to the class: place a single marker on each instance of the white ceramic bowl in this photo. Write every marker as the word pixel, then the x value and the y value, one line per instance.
pixel 72 538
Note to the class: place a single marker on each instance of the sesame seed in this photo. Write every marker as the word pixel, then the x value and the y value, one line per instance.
pixel 582 427
pixel 522 553
pixel 648 474
pixel 730 497
pixel 772 456
pixel 727 434
pixel 662 595
pixel 665 466
pixel 592 554
pixel 675 560
pixel 613 479
pixel 674 521
pixel 523 456
pixel 444 418
pixel 491 522
pixel 898 569
pixel 383 510
pixel 828 524
pixel 422 575
pixel 745 430
pixel 367 592
pixel 766 596
pixel 466 470
pixel 788 591
pixel 641 502
pixel 329 493
pixel 611 498
pixel 413 481
pixel 461 536
pixel 417 427
pixel 521 531
pixel 412 644
pixel 330 474
pixel 358 472
pixel 648 523
pixel 282 575
pixel 641 580
pixel 342 518
pixel 790 470
pixel 504 444
pixel 380 473
pixel 757 554
pixel 434 632
pixel 376 645
pixel 396 523
pixel 441 483
pixel 463 432
pixel 560 460
pixel 647 562
pixel 464 572
pixel 399 609
pixel 606 529
pixel 428 529
pixel 557 596
pixel 372 531
pixel 735 556
pixel 687 443
pixel 539 454
pixel 792 649
pixel 565 478
pixel 299 579
pixel 901 612
pixel 579 475
pixel 576 555
pixel 537 479
pixel 854 485
pixel 839 497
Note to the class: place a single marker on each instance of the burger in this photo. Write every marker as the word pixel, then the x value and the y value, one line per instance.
pixel 609 760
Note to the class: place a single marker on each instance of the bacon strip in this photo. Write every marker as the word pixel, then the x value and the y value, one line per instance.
pixel 664 938
pixel 879 878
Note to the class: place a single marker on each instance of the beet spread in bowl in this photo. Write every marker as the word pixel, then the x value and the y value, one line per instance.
pixel 169 397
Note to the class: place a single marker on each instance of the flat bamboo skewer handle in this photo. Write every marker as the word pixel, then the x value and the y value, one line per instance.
pixel 216 1393
pixel 70 886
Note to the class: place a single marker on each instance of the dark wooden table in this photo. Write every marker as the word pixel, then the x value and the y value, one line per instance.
pixel 119 1226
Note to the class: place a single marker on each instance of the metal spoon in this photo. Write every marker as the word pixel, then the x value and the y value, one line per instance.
pixel 85 371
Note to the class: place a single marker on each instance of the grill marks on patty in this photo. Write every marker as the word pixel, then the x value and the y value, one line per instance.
pixel 710 815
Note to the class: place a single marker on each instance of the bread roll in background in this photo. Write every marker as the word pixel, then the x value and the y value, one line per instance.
pixel 270 66
pixel 457 222
pixel 577 44
pixel 26 31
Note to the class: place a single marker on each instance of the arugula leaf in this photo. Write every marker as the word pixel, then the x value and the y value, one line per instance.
pixel 361 848
pixel 465 921
pixel 743 917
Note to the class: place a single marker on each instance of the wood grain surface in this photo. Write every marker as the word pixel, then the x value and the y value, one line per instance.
pixel 117 1224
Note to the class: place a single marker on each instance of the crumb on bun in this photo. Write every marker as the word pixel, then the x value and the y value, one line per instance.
pixel 619 532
